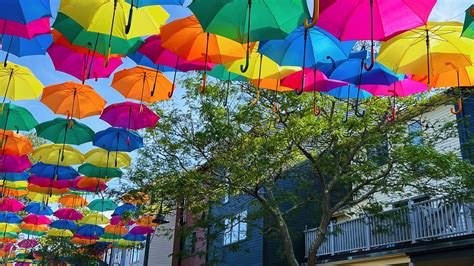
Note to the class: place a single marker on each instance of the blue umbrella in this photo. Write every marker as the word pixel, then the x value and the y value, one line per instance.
pixel 25 47
pixel 24 11
pixel 51 170
pixel 125 207
pixel 141 59
pixel 90 230
pixel 350 92
pixel 350 71
pixel 14 177
pixel 38 208
pixel 64 225
pixel 133 237
pixel 331 64
pixel 118 139
pixel 10 218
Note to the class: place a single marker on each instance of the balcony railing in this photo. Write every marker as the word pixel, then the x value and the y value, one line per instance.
pixel 421 221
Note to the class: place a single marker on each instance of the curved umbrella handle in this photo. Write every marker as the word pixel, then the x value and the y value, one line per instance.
pixel 392 117
pixel 244 68
pixel 204 81
pixel 346 117
pixel 372 60
pixel 315 17
pixel 316 110
pixel 257 97
pixel 130 16
pixel 357 113
pixel 453 110
pixel 332 61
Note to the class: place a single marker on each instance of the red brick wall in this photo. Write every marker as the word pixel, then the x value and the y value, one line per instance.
pixel 200 245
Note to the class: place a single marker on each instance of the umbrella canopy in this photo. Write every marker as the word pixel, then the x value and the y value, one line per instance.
pixel 34 229
pixel 24 47
pixel 314 80
pixel 36 219
pixel 118 139
pixel 129 115
pixel 90 184
pixel 124 208
pixel 28 243
pixel 58 154
pixel 103 158
pixel 10 218
pixel 94 219
pixel 14 164
pixel 133 237
pixel 9 228
pixel 38 208
pixel 50 190
pixel 68 214
pixel 60 232
pixel 68 131
pixel 141 230
pixel 99 172
pixel 115 230
pixel 18 83
pixel 73 201
pixel 146 220
pixel 34 28
pixel 221 73
pixel 348 92
pixel 15 117
pixel 64 225
pixel 450 78
pixel 52 170
pixel 14 144
pixel 468 29
pixel 143 84
pixel 401 88
pixel 49 182
pixel 40 197
pixel 73 100
pixel 117 220
pixel 25 11
pixel 141 3
pixel 102 205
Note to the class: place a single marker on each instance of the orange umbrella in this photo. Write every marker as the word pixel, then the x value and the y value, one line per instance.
pixel 83 241
pixel 47 190
pixel 146 220
pixel 10 192
pixel 14 144
pixel 34 227
pixel 143 84
pixel 87 182
pixel 73 201
pixel 73 100
pixel 186 38
pixel 8 240
pixel 115 229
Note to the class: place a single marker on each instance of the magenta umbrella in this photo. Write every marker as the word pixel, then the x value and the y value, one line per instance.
pixel 11 205
pixel 141 230
pixel 373 19
pixel 77 64
pixel 117 220
pixel 36 219
pixel 28 243
pixel 14 164
pixel 48 182
pixel 27 31
pixel 129 115
pixel 68 214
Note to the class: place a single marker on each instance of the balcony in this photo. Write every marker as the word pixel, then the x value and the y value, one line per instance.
pixel 418 222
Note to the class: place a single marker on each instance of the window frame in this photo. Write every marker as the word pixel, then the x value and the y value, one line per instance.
pixel 235 229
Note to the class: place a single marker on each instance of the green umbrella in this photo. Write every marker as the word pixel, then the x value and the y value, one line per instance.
pixel 250 21
pixel 14 117
pixel 33 233
pixel 65 131
pixel 102 205
pixel 99 172
pixel 77 35
pixel 8 235
pixel 110 236
pixel 468 30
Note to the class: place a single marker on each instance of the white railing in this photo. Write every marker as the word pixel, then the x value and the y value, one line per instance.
pixel 426 220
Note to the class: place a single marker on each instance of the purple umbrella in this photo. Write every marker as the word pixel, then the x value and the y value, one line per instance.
pixel 129 115
pixel 14 164
pixel 28 243
pixel 141 230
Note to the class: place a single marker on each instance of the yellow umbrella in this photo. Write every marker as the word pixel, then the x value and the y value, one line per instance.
pixel 8 228
pixel 428 50
pixel 58 154
pixel 14 184
pixel 95 218
pixel 18 83
pixel 39 197
pixel 60 232
pixel 103 158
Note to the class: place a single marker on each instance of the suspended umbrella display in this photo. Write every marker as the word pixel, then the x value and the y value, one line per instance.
pixel 124 208
pixel 73 201
pixel 10 218
pixel 41 197
pixel 14 164
pixel 18 83
pixel 60 232
pixel 51 170
pixel 36 219
pixel 34 229
pixel 87 184
pixel 94 219
pixel 141 230
pixel 64 225
pixel 15 117
pixel 65 131
pixel 118 220
pixel 28 243
pixel 25 47
pixel 129 115
pixel 468 29
pixel 103 158
pixel 68 214
pixel 14 144
pixel 118 139
pixel 102 205
pixel 38 209
pixel 58 155
pixel 99 172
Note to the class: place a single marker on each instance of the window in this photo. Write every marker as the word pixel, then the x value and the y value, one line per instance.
pixel 235 228
pixel 415 129
pixel 226 198
pixel 135 256
pixel 190 243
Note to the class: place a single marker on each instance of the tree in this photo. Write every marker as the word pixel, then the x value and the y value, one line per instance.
pixel 220 142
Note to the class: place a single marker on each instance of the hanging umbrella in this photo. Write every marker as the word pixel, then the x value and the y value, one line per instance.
pixel 50 190
pixel 64 225
pixel 84 183
pixel 143 60
pixel 68 214
pixel 97 42
pixel 41 197
pixel 15 117
pixel 51 170
pixel 146 220
pixel 18 83
pixel 60 232
pixel 427 50
pixel 14 192
pixel 118 139
pixel 117 220
pixel 94 219
pixel 102 205
pixel 28 243
pixel 129 115
pixel 449 78
pixel 468 29
pixel 13 177
pixel 138 4
pixel 247 21
pixel 133 237
pixel 374 19
pixel 73 100
pixel 14 164
pixel 10 218
pixel 49 182
pixel 24 47
pixel 34 230
pixel 401 88
pixel 141 230
pixel 36 219
pixel 348 92
pixel 124 208
pixel 103 158
pixel 99 172
pixel 14 144
pixel 81 241
pixel 9 228
pixel 59 130
pixel 315 80
pixel 57 154
pixel 143 84
pixel 38 208
pixel 25 12
pixel 73 201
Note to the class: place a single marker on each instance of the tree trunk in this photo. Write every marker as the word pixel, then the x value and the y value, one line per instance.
pixel 321 235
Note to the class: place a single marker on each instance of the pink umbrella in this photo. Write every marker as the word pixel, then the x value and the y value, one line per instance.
pixel 8 247
pixel 14 164
pixel 68 214
pixel 401 88
pixel 77 64
pixel 28 243
pixel 11 205
pixel 47 182
pixel 27 31
pixel 315 80
pixel 373 19
pixel 22 264
pixel 117 220
pixel 141 230
pixel 36 219
pixel 129 115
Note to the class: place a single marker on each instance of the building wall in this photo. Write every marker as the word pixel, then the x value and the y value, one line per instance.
pixel 185 219
pixel 466 128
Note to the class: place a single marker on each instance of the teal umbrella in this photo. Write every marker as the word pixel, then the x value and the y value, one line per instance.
pixel 14 117
pixel 468 30
pixel 65 131
pixel 99 172
pixel 102 205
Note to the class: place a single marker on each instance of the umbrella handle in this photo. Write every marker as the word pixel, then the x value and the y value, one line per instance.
pixel 257 97
pixel 372 52
pixel 357 113
pixel 453 110
pixel 243 68
pixel 372 60
pixel 130 16
pixel 316 110
pixel 390 118
pixel 107 57
pixel 346 117
pixel 204 81
pixel 315 17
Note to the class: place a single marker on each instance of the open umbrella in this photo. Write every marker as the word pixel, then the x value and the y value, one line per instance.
pixel 129 115
pixel 144 3
pixel 103 158
pixel 73 201
pixel 59 130
pixel 68 214
pixel 41 197
pixel 64 225
pixel 117 220
pixel 60 232
pixel 28 243
pixel 24 47
pixel 49 182
pixel 94 219
pixel 15 117
pixel 99 172
pixel 89 184
pixel 118 139
pixel 14 164
pixel 14 144
pixel 18 83
pixel 50 190
pixel 56 154
pixel 468 29
pixel 250 21
pixel 36 219
pixel 102 205
pixel 38 208
pixel 134 237
pixel 52 170
pixel 124 208
pixel 141 230
pixel 25 12
pixel 10 218
pixel 14 177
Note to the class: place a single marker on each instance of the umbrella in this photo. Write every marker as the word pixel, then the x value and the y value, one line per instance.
pixel 101 158
pixel 112 237
pixel 129 115
pixel 38 208
pixel 124 208
pixel 85 183
pixel 18 83
pixel 99 172
pixel 81 241
pixel 96 42
pixel 25 12
pixel 15 117
pixel 51 170
pixel 427 50
pixel 143 84
pixel 102 205
pixel 315 80
pixel 40 197
pixel 73 201
pixel 49 182
pixel 14 164
pixel 10 218
pixel 373 20
pixel 64 225
pixel 73 100
pixel 94 218
pixel 8 228
pixel 36 219
pixel 60 232
pixel 138 4
pixel 14 144
pixel 247 21
pixel 141 230
pixel 33 229
pixel 58 154
pixel 117 220
pixel 468 29
pixel 348 92
pixel 133 237
pixel 143 60
pixel 50 190
pixel 29 30
pixel 68 214
pixel 59 130
pixel 24 47
pixel 28 243
pixel 146 220
pixel 118 139
pixel 79 66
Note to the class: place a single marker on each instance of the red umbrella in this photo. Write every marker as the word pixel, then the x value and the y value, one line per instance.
pixel 36 219
pixel 68 214
pixel 129 115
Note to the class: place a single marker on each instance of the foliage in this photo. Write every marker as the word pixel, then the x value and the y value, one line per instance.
pixel 55 250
